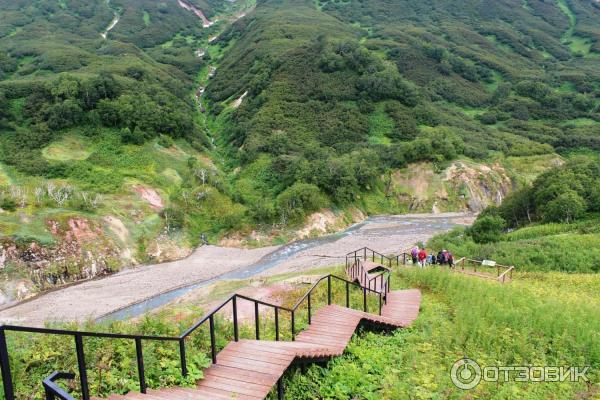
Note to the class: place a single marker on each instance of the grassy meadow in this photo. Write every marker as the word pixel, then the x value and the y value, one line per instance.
pixel 538 319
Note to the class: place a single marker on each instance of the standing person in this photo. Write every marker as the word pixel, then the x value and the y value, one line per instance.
pixel 445 257
pixel 432 258
pixel 422 258
pixel 450 260
pixel 440 258
pixel 414 254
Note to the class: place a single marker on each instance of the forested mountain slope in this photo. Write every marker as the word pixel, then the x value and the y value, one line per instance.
pixel 128 128
pixel 98 128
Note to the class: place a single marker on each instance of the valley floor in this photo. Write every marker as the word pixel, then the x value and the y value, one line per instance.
pixel 98 298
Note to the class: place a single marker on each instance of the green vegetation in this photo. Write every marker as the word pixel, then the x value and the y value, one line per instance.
pixel 385 85
pixel 341 96
pixel 539 319
pixel 551 224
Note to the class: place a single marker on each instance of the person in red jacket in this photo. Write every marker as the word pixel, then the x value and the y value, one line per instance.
pixel 422 258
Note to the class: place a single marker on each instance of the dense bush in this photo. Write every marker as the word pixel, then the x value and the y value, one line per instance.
pixel 487 229
pixel 562 194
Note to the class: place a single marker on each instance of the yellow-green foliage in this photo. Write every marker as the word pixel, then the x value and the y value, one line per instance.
pixel 536 320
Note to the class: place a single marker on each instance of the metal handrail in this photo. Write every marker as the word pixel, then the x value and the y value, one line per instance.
pixel 52 390
pixel 367 251
pixel 138 339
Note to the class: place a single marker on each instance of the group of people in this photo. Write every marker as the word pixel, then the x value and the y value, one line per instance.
pixel 421 258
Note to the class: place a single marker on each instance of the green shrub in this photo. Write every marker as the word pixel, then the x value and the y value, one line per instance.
pixel 487 229
pixel 567 207
pixel 8 204
pixel 299 200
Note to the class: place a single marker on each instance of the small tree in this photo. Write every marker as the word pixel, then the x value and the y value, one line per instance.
pixel 487 229
pixel 567 207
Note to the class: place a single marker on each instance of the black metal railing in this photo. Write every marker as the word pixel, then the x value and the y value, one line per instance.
pixel 52 390
pixel 369 254
pixel 359 273
pixel 138 340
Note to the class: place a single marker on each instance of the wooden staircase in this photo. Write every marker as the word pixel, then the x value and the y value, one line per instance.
pixel 249 369
pixel 369 274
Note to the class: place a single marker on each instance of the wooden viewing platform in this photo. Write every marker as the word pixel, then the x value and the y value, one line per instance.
pixel 249 369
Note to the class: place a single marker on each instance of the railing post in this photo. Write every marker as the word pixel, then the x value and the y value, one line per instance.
pixel 280 389
pixel 293 326
pixel 329 289
pixel 256 320
pixel 236 334
pixel 85 390
pixel 9 393
pixel 49 394
pixel 309 309
pixel 140 362
pixel 380 303
pixel 182 356
pixel 347 295
pixel 277 323
pixel 365 254
pixel 404 258
pixel 364 299
pixel 389 280
pixel 213 344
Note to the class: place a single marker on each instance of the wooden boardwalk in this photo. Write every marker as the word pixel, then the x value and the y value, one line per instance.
pixel 368 274
pixel 249 369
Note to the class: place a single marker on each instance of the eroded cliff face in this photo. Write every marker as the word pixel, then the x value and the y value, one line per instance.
pixel 476 185
pixel 81 250
pixel 463 185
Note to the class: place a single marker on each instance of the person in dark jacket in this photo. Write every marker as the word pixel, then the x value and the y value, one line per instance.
pixel 440 258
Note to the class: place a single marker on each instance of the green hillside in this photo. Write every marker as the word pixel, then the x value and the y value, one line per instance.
pixel 128 129
pixel 371 86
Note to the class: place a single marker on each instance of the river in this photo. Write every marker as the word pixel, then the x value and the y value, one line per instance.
pixel 133 292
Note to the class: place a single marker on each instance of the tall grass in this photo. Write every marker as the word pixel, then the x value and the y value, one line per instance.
pixel 465 316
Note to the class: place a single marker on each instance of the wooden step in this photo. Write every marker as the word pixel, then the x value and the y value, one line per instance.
pixel 249 369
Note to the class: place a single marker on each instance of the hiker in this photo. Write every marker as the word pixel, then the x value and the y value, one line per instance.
pixel 445 257
pixel 432 259
pixel 422 258
pixel 414 254
pixel 440 258
pixel 450 260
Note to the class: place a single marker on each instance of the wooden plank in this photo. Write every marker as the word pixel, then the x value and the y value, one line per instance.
pixel 240 375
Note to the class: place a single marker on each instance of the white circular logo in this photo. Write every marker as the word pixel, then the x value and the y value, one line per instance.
pixel 465 374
